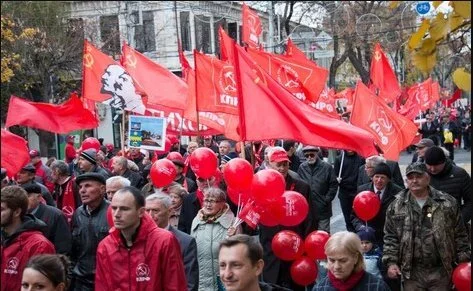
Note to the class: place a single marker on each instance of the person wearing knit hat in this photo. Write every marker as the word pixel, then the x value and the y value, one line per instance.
pixel 371 254
pixel 447 177
pixel 87 163
pixel 382 169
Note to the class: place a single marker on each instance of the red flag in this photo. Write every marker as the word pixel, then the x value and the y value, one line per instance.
pixel 161 85
pixel 326 103
pixel 303 79
pixel 64 118
pixel 392 131
pixel 251 27
pixel 215 85
pixel 346 94
pixel 456 95
pixel 262 95
pixel 103 79
pixel 435 93
pixel 226 45
pixel 14 153
pixel 383 77
pixel 294 52
pixel 410 109
pixel 421 93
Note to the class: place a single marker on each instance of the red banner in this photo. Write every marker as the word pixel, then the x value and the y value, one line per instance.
pixel 251 27
pixel 326 103
pixel 14 153
pixel 383 77
pixel 226 45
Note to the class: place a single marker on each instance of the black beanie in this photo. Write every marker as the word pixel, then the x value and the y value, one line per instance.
pixel 367 234
pixel 434 156
pixel 90 155
pixel 383 169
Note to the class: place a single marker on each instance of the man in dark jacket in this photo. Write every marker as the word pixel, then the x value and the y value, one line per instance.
pixel 449 178
pixel 431 129
pixel 89 227
pixel 58 231
pixel 386 191
pixel 158 206
pixel 323 184
pixel 88 164
pixel 22 237
pixel 120 168
pixel 275 270
pixel 27 175
pixel 349 162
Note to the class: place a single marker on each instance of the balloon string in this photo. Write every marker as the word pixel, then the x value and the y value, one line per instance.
pixel 366 224
pixel 208 182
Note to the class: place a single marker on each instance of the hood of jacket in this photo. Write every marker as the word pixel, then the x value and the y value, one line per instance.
pixel 30 223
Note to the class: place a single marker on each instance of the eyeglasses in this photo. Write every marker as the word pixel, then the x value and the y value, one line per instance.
pixel 211 201
pixel 309 155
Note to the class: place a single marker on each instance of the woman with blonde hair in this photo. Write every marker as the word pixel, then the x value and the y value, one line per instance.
pixel 346 267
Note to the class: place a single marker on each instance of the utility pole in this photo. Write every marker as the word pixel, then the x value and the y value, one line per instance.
pixel 271 26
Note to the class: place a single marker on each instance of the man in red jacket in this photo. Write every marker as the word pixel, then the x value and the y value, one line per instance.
pixel 43 172
pixel 137 255
pixel 22 237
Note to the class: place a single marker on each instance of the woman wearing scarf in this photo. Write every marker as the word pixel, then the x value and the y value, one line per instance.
pixel 177 194
pixel 346 268
pixel 212 225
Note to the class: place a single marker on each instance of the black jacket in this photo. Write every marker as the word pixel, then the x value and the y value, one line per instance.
pixel 191 185
pixel 135 178
pixel 87 231
pixel 58 231
pixel 323 185
pixel 275 270
pixel 455 181
pixel 351 164
pixel 396 176
pixel 377 223
pixel 190 207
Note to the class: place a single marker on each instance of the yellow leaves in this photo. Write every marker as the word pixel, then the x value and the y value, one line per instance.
pixel 394 4
pixel 425 63
pixel 436 4
pixel 444 24
pixel 29 33
pixel 418 35
pixel 9 63
pixel 462 8
pixel 462 79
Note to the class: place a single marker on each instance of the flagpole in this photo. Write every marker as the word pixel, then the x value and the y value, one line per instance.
pixel 123 132
pixel 196 95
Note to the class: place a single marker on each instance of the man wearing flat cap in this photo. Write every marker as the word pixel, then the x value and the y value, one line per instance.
pixel 321 178
pixel 424 234
pixel 382 185
pixel 89 227
pixel 449 178
pixel 421 147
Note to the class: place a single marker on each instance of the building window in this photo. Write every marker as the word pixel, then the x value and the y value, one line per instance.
pixel 145 40
pixel 185 31
pixel 202 34
pixel 110 34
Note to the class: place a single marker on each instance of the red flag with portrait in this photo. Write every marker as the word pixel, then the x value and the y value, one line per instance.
pixel 392 131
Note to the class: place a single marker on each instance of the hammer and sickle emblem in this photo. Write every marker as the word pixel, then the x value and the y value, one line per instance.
pixel 88 60
pixel 377 55
pixel 131 60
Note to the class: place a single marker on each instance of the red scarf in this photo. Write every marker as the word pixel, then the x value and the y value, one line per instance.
pixel 348 284
pixel 65 200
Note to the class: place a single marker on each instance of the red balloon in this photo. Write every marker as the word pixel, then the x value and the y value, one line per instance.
pixel 203 162
pixel 162 173
pixel 90 143
pixel 366 205
pixel 314 244
pixel 238 196
pixel 110 217
pixel 304 271
pixel 273 213
pixel 287 245
pixel 267 186
pixel 238 174
pixel 295 207
pixel 462 277
pixel 167 147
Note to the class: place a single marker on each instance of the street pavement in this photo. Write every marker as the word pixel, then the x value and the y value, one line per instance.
pixel 462 159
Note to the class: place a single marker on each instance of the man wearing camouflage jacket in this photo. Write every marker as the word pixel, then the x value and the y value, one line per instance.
pixel 424 234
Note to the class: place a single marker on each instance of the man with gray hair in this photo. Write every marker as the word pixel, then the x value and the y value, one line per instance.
pixel 115 183
pixel 365 172
pixel 158 206
pixel 120 168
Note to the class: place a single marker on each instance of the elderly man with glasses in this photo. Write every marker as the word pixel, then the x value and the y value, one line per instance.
pixel 321 178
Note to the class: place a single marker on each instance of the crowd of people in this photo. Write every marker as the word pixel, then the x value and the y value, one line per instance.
pixel 95 220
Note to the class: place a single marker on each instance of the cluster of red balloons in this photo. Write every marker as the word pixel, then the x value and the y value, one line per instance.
pixel 289 246
pixel 264 196
pixel 366 205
